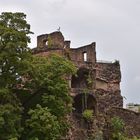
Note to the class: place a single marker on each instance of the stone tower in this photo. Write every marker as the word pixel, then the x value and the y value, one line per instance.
pixel 101 80
pixel 97 82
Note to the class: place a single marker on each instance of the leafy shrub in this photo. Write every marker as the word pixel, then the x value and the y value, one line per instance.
pixel 88 114
pixel 42 124
pixel 117 126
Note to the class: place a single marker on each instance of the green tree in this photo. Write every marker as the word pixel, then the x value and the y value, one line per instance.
pixel 42 125
pixel 50 89
pixel 27 80
pixel 10 122
pixel 14 31
pixel 14 54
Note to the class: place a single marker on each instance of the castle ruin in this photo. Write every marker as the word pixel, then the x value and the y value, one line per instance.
pixel 100 80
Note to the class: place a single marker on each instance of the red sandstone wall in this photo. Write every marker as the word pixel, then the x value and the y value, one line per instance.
pixel 130 118
pixel 77 55
pixel 109 72
pixel 108 77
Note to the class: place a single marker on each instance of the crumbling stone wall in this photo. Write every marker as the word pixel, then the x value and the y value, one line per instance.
pixel 104 85
pixel 108 99
pixel 77 54
pixel 130 118
pixel 109 72
pixel 51 43
pixel 108 77
pixel 55 39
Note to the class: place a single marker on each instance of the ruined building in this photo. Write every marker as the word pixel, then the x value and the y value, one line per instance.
pixel 98 79
pixel 102 79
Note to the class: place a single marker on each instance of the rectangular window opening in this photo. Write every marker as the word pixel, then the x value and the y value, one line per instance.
pixel 85 56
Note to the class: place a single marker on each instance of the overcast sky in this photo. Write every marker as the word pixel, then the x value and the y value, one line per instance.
pixel 113 24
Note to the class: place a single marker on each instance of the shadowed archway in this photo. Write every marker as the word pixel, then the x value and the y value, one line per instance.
pixel 84 101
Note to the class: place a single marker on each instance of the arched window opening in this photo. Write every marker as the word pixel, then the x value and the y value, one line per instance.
pixel 46 43
pixel 84 101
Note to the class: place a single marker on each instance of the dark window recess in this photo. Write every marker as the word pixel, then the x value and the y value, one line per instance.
pixel 82 102
pixel 80 80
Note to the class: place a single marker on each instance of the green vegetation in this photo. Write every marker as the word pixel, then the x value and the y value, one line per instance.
pixel 117 128
pixel 90 81
pixel 134 138
pixel 88 114
pixel 34 99
pixel 42 124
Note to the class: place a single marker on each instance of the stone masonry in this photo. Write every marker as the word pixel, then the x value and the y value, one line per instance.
pixel 99 79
